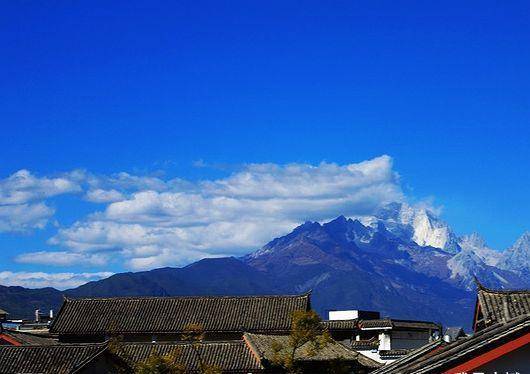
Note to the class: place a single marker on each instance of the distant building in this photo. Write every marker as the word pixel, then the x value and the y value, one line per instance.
pixel 41 317
pixel 383 340
pixel 17 338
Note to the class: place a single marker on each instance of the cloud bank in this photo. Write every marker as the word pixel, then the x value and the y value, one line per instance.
pixel 60 281
pixel 149 222
pixel 22 196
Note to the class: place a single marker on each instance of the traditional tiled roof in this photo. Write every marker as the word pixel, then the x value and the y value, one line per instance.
pixel 3 312
pixel 262 345
pixel 129 315
pixel 347 324
pixel 393 353
pixel 396 366
pixel 462 350
pixel 499 306
pixel 57 359
pixel 375 323
pixel 424 325
pixel 230 356
pixel 25 338
pixel 361 345
pixel 397 324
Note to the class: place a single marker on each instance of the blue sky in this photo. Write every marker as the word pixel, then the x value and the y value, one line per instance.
pixel 192 93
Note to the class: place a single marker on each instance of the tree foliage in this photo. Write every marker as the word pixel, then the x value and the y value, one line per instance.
pixel 161 364
pixel 307 332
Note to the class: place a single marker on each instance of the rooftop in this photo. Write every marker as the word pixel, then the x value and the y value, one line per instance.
pixel 344 324
pixel 397 324
pixel 262 345
pixel 368 344
pixel 57 359
pixel 172 314
pixel 27 338
pixel 502 305
pixel 231 356
pixel 461 350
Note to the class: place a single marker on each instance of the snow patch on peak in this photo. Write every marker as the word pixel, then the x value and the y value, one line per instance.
pixel 476 244
pixel 420 225
pixel 462 264
pixel 517 257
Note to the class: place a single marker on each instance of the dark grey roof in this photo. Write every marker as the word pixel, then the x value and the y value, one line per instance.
pixel 375 323
pixel 462 350
pixel 347 324
pixel 57 359
pixel 397 324
pixel 396 366
pixel 26 338
pixel 499 306
pixel 360 345
pixel 262 345
pixel 393 353
pixel 423 325
pixel 172 314
pixel 230 356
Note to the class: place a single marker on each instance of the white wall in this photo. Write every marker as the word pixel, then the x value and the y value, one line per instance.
pixel 385 343
pixel 343 314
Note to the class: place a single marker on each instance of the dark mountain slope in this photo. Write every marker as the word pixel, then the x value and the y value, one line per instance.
pixel 215 276
pixel 21 302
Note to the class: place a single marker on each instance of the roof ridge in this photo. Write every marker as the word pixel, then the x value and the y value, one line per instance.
pixel 205 342
pixel 56 345
pixel 504 292
pixel 304 295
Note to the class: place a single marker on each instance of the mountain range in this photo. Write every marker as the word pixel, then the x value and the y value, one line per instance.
pixel 402 261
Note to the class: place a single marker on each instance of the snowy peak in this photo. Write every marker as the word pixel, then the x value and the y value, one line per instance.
pixel 419 225
pixel 517 257
pixel 476 244
pixel 523 243
pixel 473 240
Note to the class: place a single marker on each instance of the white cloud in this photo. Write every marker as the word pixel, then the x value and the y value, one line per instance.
pixel 104 196
pixel 24 217
pixel 125 182
pixel 22 196
pixel 57 280
pixel 23 187
pixel 62 258
pixel 174 222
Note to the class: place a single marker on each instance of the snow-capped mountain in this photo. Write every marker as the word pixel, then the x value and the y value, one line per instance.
pixel 517 257
pixel 475 243
pixel 403 261
pixel 418 225
pixel 469 255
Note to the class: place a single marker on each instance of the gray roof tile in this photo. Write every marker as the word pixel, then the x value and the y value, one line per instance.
pixel 172 314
